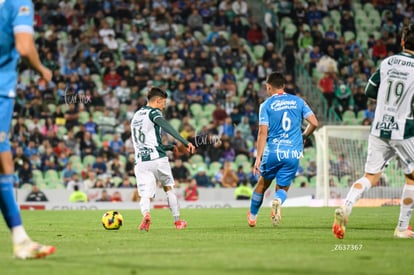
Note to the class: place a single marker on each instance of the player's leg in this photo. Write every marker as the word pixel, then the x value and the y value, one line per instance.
pixel 406 209
pixel 164 175
pixel 23 246
pixel 146 186
pixel 379 154
pixel 405 150
pixel 257 199
pixel 286 172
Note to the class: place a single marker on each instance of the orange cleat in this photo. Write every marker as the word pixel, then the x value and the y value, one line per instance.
pixel 339 224
pixel 180 224
pixel 250 221
pixel 146 222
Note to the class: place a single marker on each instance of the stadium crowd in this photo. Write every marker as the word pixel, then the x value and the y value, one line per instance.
pixel 210 56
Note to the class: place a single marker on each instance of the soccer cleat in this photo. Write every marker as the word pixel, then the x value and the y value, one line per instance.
pixel 407 234
pixel 180 224
pixel 339 224
pixel 32 250
pixel 251 222
pixel 276 215
pixel 146 222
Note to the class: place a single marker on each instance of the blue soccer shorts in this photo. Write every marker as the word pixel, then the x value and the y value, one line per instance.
pixel 6 114
pixel 284 170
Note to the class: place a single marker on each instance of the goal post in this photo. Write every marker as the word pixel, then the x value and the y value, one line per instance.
pixel 333 185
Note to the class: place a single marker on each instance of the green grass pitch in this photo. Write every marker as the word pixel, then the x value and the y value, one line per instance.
pixel 217 241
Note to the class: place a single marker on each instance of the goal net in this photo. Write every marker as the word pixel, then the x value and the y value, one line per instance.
pixel 341 153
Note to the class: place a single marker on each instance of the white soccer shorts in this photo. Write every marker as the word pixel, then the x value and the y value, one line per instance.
pixel 381 151
pixel 147 174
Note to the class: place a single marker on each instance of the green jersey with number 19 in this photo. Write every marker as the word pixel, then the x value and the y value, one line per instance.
pixel 394 82
pixel 146 135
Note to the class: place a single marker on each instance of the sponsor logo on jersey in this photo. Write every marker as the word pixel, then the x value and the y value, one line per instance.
pixel 24 10
pixel 387 123
pixel 402 62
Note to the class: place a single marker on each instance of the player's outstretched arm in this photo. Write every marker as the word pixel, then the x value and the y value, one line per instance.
pixel 163 123
pixel 25 45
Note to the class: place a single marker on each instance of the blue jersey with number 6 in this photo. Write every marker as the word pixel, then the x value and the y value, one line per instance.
pixel 283 114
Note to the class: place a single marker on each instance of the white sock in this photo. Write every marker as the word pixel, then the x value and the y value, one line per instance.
pixel 19 235
pixel 356 191
pixel 173 203
pixel 406 208
pixel 145 205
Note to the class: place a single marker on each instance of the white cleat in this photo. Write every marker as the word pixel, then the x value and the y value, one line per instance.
pixel 276 214
pixel 32 250
pixel 407 234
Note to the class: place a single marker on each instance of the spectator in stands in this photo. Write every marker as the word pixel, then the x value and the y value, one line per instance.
pixel 240 8
pixel 87 145
pixel 25 173
pixel 49 160
pixel 116 197
pixel 314 56
pixel 342 167
pixel 347 22
pixel 71 117
pixel 99 166
pixel 75 181
pixel 67 173
pixel 116 168
pixel 36 195
pixel 379 51
pixel 252 177
pixel 343 99
pixel 369 113
pixel 104 196
pixel 195 21
pixel 77 195
pixel 255 34
pixel 191 192
pixel 116 144
pixel 180 172
pixel 126 183
pixel 241 175
pixel 243 191
pixel 202 179
pixel 112 79
pixel 238 142
pixel 230 178
pixel 326 86
pixel 90 180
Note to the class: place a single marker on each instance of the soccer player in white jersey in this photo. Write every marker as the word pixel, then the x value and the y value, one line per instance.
pixel 151 158
pixel 279 144
pixel 16 39
pixel 392 134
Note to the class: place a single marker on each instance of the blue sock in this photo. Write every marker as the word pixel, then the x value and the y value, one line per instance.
pixel 8 205
pixel 281 194
pixel 256 202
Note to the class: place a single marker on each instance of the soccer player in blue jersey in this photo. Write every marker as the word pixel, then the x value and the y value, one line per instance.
pixel 279 144
pixel 16 39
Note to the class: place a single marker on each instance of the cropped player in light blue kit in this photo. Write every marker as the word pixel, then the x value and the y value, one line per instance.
pixel 279 144
pixel 16 39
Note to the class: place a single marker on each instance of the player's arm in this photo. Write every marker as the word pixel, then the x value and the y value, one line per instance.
pixel 311 127
pixel 24 39
pixel 371 90
pixel 163 123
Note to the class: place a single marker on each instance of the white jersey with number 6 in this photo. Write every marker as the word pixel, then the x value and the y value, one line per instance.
pixel 146 135
pixel 394 114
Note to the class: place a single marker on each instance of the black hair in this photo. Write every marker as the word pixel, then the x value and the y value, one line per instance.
pixel 156 91
pixel 408 37
pixel 276 80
